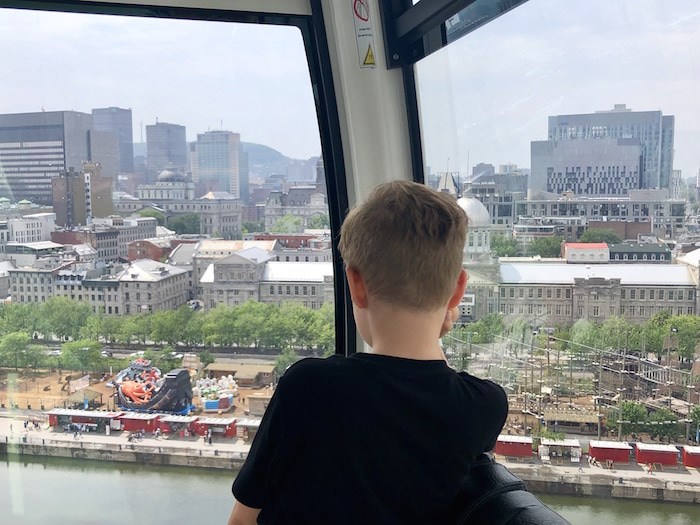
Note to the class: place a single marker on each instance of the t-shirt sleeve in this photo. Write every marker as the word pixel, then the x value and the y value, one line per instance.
pixel 253 483
pixel 496 415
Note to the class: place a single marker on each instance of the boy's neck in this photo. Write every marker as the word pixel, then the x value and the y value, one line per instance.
pixel 403 333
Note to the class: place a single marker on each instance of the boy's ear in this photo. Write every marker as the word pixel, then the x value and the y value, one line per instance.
pixel 358 288
pixel 457 295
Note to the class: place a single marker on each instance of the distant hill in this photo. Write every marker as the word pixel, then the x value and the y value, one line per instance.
pixel 264 160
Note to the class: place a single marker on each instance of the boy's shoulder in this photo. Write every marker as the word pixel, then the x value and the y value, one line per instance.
pixel 313 366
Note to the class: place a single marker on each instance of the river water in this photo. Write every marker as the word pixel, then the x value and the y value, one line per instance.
pixel 69 492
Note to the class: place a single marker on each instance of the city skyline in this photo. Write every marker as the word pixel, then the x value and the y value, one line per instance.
pixel 164 70
pixel 503 80
pixel 487 96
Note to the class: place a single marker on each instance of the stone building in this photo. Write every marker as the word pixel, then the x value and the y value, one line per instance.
pixel 556 293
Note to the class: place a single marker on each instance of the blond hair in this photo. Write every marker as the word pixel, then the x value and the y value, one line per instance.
pixel 406 240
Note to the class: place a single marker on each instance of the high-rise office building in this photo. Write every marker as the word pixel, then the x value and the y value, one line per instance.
pixel 654 130
pixel 215 166
pixel 117 121
pixel 244 176
pixel 35 147
pixel 601 167
pixel 166 148
pixel 80 196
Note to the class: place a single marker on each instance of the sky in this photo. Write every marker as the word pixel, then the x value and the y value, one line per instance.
pixel 488 95
pixel 484 98
pixel 245 78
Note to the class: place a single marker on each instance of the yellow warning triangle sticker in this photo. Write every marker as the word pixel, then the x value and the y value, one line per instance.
pixel 369 57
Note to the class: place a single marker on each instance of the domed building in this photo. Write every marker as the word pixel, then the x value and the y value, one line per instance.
pixel 169 176
pixel 481 296
pixel 169 186
pixel 478 243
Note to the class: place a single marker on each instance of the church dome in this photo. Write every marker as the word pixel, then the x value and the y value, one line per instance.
pixel 169 176
pixel 476 212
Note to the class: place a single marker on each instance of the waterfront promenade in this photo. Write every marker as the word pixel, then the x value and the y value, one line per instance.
pixel 630 481
pixel 45 441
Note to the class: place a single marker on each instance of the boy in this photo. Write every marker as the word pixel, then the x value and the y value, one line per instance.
pixel 389 435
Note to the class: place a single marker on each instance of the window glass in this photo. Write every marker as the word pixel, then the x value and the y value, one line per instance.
pixel 197 136
pixel 539 109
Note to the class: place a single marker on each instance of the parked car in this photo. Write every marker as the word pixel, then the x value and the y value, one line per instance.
pixel 55 353
pixel 106 353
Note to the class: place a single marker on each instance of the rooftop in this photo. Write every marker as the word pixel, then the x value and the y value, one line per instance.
pixel 586 245
pixel 562 273
pixel 276 271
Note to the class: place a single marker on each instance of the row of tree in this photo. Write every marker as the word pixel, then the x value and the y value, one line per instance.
pixel 503 245
pixel 662 333
pixel 659 423
pixel 253 324
pixel 17 351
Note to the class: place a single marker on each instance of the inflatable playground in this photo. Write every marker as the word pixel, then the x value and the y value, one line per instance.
pixel 142 387
pixel 216 394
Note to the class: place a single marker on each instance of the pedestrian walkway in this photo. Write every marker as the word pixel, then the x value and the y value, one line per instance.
pixel 12 430
pixel 629 475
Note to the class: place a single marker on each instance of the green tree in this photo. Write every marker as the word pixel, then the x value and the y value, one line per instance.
pixel 655 330
pixel 663 424
pixel 695 417
pixel 170 326
pixel 250 227
pixel 600 235
pixel 220 326
pixel 545 246
pixel 251 322
pixel 584 335
pixel 504 245
pixel 325 328
pixel 64 317
pixel 615 332
pixel 19 318
pixel 140 327
pixel 15 350
pixel 634 417
pixel 83 354
pixel 287 224
pixel 193 335
pixel 160 217
pixel 687 334
pixel 206 358
pixel 284 360
pixel 318 222
pixel 187 223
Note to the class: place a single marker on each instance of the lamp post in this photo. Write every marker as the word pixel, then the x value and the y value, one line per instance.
pixel 531 360
pixel 688 421
pixel 620 392
pixel 673 330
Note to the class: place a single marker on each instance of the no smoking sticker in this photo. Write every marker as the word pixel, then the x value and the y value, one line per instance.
pixel 364 33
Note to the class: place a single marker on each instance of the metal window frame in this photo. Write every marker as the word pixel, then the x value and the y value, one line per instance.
pixel 316 47
pixel 413 32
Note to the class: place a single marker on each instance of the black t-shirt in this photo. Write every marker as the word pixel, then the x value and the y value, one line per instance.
pixel 368 439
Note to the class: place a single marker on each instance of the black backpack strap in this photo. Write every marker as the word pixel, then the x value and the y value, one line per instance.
pixel 494 495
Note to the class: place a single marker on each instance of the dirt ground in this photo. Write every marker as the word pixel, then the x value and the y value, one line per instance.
pixel 46 390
